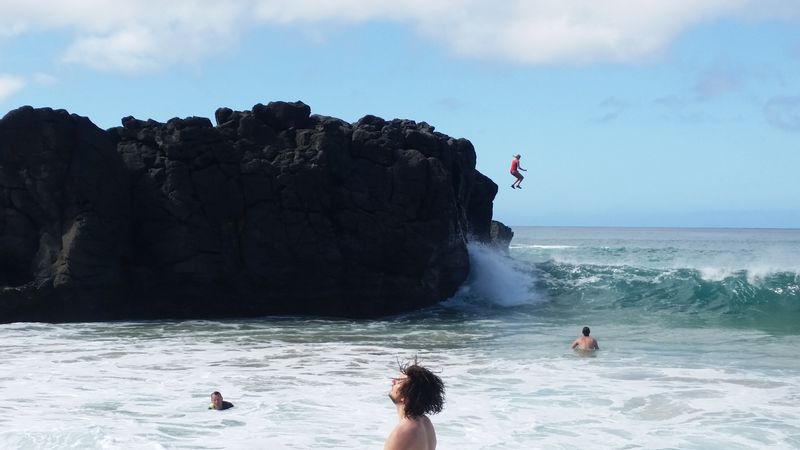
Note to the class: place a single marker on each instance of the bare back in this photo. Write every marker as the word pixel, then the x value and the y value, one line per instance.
pixel 412 434
pixel 585 343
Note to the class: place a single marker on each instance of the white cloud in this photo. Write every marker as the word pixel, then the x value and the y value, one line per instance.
pixel 563 31
pixel 137 35
pixel 532 31
pixel 131 36
pixel 128 50
pixel 9 85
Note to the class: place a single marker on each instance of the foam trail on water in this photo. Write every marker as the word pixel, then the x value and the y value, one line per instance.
pixel 544 247
pixel 494 277
pixel 755 269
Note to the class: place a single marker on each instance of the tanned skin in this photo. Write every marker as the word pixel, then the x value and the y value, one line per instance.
pixel 585 342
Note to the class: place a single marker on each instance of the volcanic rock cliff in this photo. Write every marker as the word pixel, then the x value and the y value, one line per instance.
pixel 271 211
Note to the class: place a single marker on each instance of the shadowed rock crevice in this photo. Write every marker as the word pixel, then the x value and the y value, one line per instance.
pixel 271 211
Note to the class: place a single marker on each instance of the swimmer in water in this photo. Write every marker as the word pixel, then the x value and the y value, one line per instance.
pixel 218 403
pixel 585 342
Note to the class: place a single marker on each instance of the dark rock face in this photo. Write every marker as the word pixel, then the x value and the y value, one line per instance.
pixel 500 236
pixel 64 217
pixel 271 211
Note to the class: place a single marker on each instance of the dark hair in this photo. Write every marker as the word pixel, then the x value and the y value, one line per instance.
pixel 422 392
pixel 216 393
pixel 586 331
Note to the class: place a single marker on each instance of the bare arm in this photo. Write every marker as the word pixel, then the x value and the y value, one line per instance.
pixel 574 344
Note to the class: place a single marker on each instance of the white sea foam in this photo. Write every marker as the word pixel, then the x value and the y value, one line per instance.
pixel 495 277
pixel 543 247
pixel 715 273
pixel 755 271
pixel 511 384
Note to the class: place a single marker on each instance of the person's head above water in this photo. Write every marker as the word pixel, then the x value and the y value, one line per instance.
pixel 586 331
pixel 216 400
pixel 419 390
pixel 518 156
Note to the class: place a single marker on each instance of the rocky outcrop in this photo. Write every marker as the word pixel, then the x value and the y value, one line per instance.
pixel 64 218
pixel 271 211
pixel 500 236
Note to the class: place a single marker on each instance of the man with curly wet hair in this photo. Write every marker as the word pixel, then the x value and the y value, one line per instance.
pixel 416 392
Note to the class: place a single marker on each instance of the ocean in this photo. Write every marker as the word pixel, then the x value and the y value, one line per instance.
pixel 698 330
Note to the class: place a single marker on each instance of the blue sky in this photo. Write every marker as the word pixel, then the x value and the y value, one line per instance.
pixel 647 113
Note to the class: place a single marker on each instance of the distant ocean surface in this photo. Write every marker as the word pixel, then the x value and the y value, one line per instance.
pixel 698 330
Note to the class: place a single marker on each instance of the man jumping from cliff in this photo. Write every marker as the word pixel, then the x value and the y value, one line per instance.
pixel 515 168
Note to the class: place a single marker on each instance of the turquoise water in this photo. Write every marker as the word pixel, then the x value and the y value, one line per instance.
pixel 686 277
pixel 698 330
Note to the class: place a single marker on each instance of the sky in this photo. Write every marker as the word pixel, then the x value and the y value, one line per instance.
pixel 655 113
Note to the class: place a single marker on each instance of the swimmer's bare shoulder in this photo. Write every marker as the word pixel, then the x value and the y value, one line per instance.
pixel 585 343
pixel 417 434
